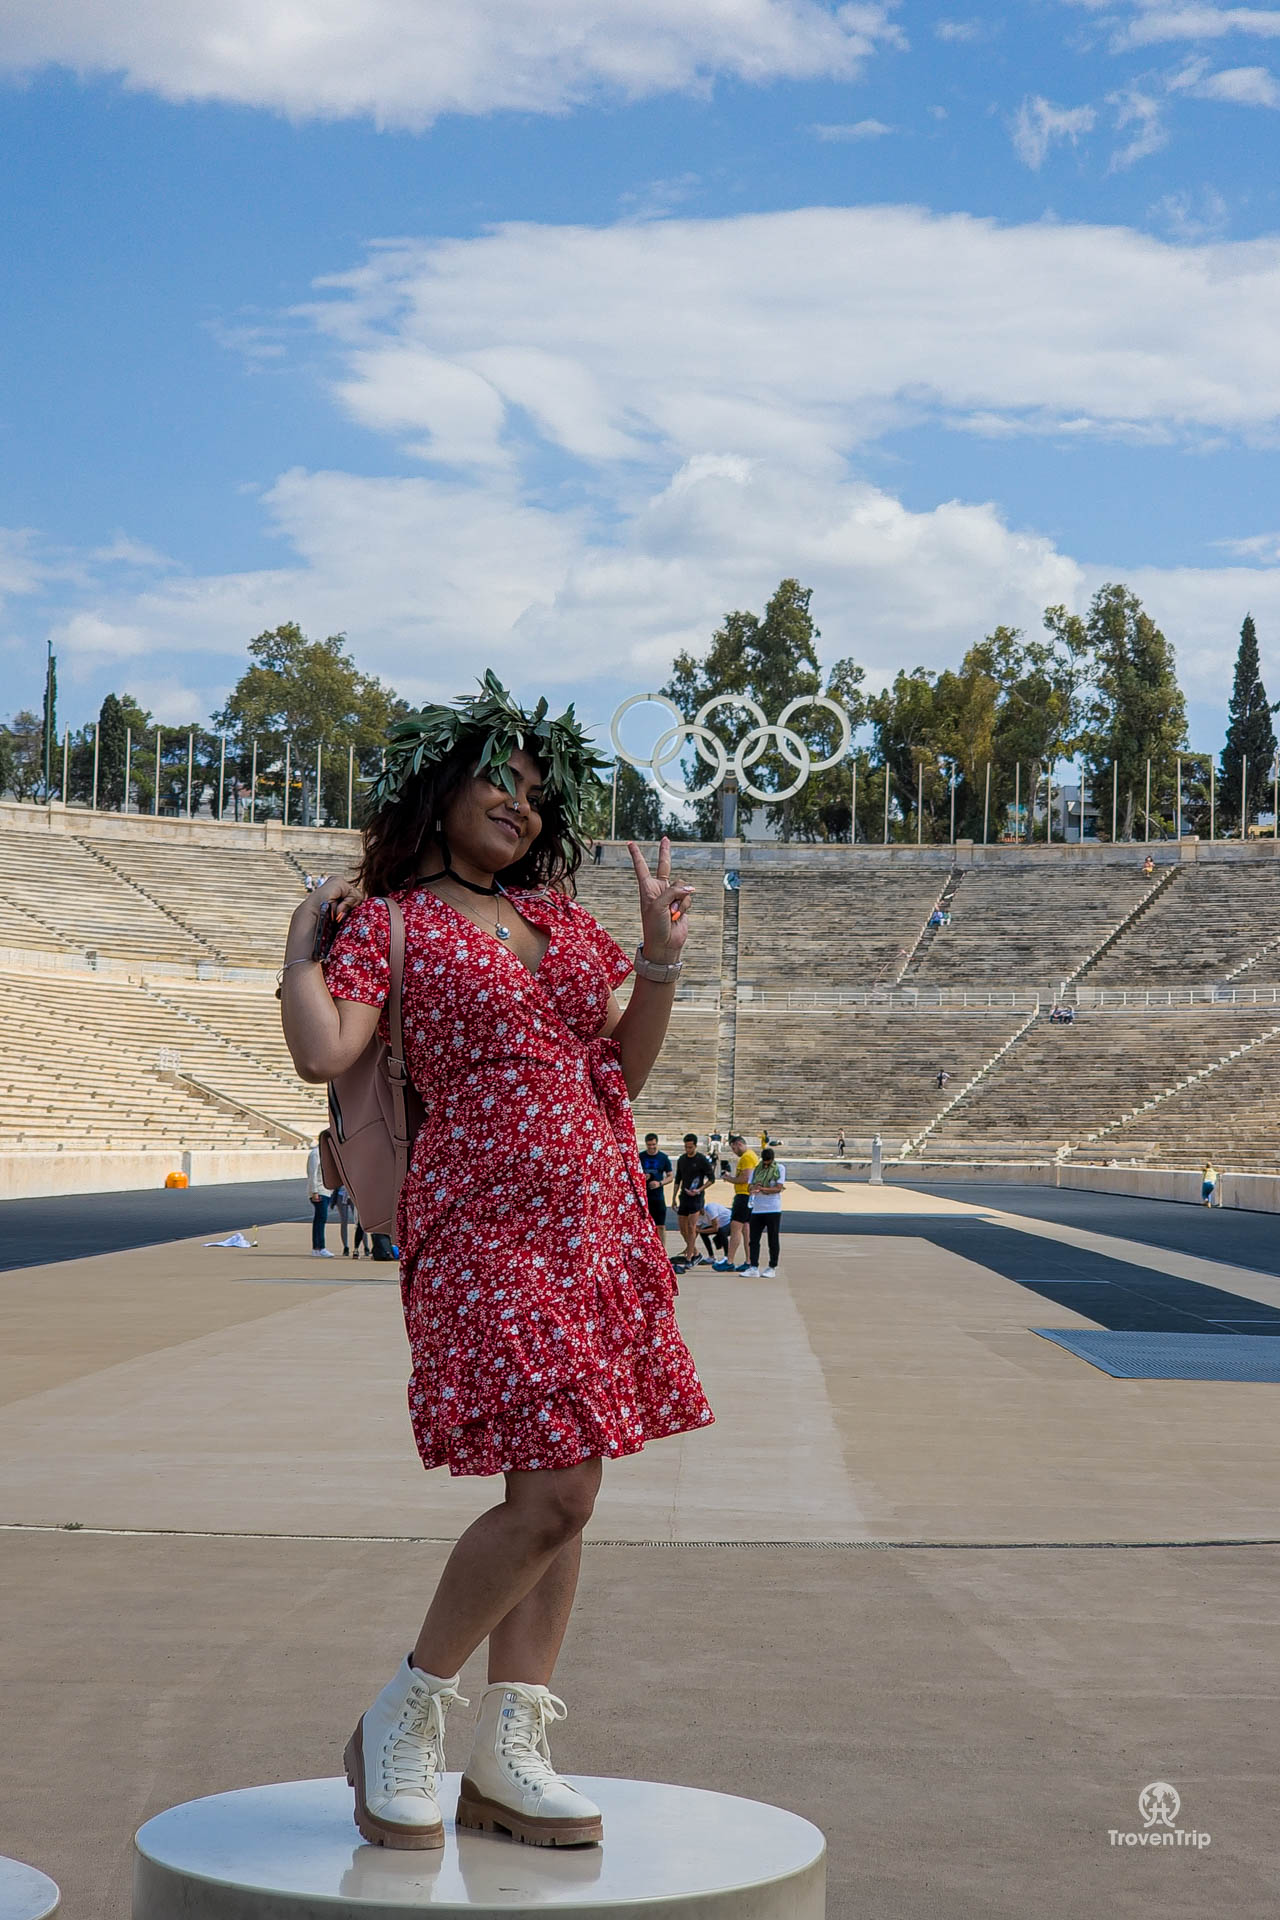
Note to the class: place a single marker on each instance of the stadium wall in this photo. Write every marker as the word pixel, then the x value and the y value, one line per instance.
pixel 1254 1192
pixel 39 1175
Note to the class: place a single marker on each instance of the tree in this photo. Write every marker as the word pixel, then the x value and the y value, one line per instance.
pixel 773 659
pixel 1135 711
pixel 1251 742
pixel 49 727
pixel 306 695
pixel 26 754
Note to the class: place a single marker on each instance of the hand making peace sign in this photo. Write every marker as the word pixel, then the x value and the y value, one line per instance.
pixel 664 905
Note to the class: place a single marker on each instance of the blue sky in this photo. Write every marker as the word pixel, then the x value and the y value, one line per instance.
pixel 538 333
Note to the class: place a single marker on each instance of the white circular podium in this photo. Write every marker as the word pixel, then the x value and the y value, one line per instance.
pixel 25 1892
pixel 291 1852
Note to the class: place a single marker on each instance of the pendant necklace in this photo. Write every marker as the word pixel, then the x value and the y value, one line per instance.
pixel 494 893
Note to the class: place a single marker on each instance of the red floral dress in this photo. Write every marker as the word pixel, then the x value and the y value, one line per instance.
pixel 537 1294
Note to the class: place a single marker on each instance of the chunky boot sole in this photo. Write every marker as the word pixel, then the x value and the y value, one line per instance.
pixel 490 1816
pixel 382 1833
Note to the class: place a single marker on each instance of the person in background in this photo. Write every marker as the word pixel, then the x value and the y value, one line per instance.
pixel 656 1169
pixel 694 1174
pixel 340 1203
pixel 740 1213
pixel 363 1244
pixel 318 1195
pixel 840 1143
pixel 713 1231
pixel 1209 1184
pixel 765 1193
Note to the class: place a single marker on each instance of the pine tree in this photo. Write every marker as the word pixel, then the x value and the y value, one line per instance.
pixel 1251 742
pixel 49 734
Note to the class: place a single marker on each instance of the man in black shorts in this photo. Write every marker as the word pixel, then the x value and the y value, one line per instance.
pixel 656 1169
pixel 694 1174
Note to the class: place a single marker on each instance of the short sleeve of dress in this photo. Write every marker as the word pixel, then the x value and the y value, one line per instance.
pixel 613 961
pixel 359 965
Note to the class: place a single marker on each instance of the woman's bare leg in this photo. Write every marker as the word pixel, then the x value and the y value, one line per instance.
pixel 526 1644
pixel 500 1559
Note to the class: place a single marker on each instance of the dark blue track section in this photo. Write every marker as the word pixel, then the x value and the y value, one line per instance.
pixel 35 1231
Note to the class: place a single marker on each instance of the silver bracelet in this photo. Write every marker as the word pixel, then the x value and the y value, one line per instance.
pixel 650 970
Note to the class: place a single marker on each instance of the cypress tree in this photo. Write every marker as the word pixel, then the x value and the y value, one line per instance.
pixel 1251 740
pixel 111 745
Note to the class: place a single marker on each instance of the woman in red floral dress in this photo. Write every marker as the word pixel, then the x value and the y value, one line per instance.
pixel 538 1297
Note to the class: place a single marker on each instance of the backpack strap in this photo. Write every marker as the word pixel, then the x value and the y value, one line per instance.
pixel 396 1071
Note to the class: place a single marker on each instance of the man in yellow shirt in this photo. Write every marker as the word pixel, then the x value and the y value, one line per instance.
pixel 740 1213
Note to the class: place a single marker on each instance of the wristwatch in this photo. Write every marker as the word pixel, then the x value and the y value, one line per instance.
pixel 649 970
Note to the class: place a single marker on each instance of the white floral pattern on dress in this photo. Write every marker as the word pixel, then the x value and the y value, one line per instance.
pixel 537 1293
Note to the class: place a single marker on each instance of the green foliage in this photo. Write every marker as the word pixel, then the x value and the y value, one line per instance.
pixel 773 658
pixel 25 736
pixel 305 694
pixel 1134 708
pixel 1251 742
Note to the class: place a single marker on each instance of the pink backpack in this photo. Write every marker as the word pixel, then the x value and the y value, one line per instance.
pixel 375 1112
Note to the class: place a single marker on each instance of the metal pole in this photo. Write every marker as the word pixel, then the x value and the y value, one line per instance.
pixel 1244 796
pixel 191 763
pixel 1115 799
pixel 96 730
pixel 1084 795
pixel 1146 824
pixel 953 803
pixel 1048 803
pixel 1275 798
pixel 986 804
pixel 613 804
pixel 315 805
pixel 155 798
pixel 222 775
pixel 351 776
pixel 886 802
pixel 920 803
pixel 128 765
pixel 1213 797
pixel 1177 802
pixel 285 817
pixel 253 785
pixel 1017 799
pixel 66 752
pixel 48 719
pixel 853 803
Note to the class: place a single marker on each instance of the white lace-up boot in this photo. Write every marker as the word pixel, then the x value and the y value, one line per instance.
pixel 393 1759
pixel 510 1785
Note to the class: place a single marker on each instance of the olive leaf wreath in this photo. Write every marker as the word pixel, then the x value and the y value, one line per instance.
pixel 428 736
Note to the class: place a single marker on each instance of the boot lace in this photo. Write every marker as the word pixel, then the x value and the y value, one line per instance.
pixel 522 1738
pixel 414 1755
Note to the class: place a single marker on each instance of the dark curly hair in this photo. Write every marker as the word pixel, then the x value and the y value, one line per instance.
pixel 400 836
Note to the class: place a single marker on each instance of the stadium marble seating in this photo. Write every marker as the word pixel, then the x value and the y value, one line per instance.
pixel 235 903
pixel 1230 1116
pixel 1062 1083
pixel 869 1070
pixel 1206 925
pixel 815 929
pixel 1030 924
pixel 610 894
pixel 61 894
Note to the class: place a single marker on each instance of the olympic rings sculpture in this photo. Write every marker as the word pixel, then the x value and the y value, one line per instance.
pixel 711 749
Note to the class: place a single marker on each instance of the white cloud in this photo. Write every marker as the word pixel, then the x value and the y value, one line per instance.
pixel 960 31
pixel 660 427
pixel 1145 115
pixel 640 347
pixel 1038 124
pixel 1193 216
pixel 1242 86
pixel 1157 22
pixel 846 130
pixel 403 62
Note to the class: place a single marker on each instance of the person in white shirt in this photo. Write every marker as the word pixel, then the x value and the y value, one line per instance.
pixel 318 1195
pixel 767 1183
pixel 713 1230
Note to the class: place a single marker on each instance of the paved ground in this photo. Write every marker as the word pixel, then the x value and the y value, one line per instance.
pixel 917 1583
